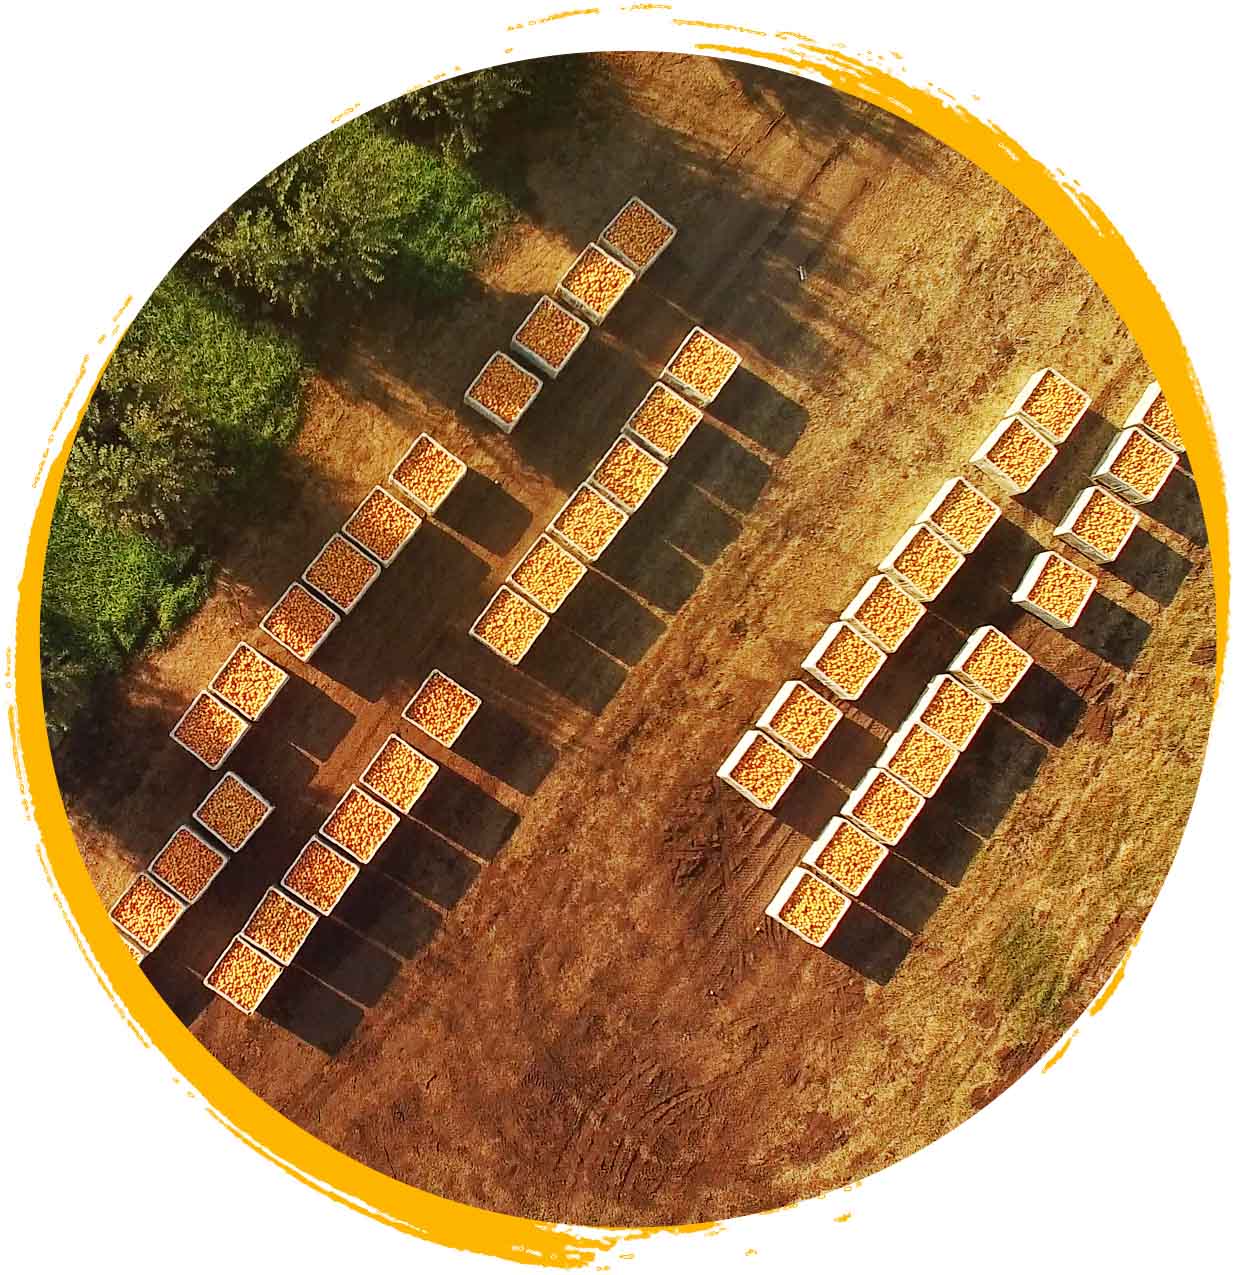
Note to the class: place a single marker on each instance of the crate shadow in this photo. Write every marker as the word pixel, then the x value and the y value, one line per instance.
pixel 938 844
pixel 1110 631
pixel 722 467
pixel 183 991
pixel 1044 705
pixel 311 1011
pixel 499 744
pixel 307 717
pixel 422 860
pixel 484 512
pixel 1151 567
pixel 610 619
pixel 1177 507
pixel 900 892
pixel 388 916
pixel 809 802
pixel 687 519
pixel 980 591
pixel 1070 470
pixel 904 676
pixel 651 568
pixel 749 405
pixel 848 753
pixel 345 961
pixel 867 944
pixel 999 766
pixel 374 647
pixel 462 812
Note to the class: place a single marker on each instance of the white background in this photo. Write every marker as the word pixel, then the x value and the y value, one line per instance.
pixel 127 129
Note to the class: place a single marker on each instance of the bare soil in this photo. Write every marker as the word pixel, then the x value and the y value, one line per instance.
pixel 555 993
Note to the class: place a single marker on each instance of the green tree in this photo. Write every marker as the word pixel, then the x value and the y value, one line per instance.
pixel 332 215
pixel 158 473
pixel 460 113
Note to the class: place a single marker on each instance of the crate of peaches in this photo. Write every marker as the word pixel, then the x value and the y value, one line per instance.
pixel 922 563
pixel 382 526
pixel 1135 466
pixel 146 911
pixel 187 864
pixel 442 708
pixel 759 769
pixel 700 366
pixel 1055 589
pixel 233 811
pixel 342 573
pixel 248 681
pixel 883 805
pixel 951 711
pixel 549 336
pixel 546 574
pixel 846 855
pixel 279 925
pixel 808 907
pixel 509 625
pixel 594 284
pixel 1052 403
pixel 503 392
pixel 961 514
pixel 627 475
pixel 588 522
pixel 918 757
pixel 428 473
pixel 1014 455
pixel 300 621
pixel 243 975
pixel 399 774
pixel 663 421
pixel 637 235
pixel 800 719
pixel 359 824
pixel 844 660
pixel 1152 413
pixel 1098 525
pixel 320 876
pixel 209 730
pixel 884 613
pixel 991 663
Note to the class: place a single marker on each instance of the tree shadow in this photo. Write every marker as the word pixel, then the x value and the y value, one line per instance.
pixel 900 892
pixel 461 811
pixel 1151 567
pixel 988 778
pixel 1177 507
pixel 867 944
pixel 306 716
pixel 422 860
pixel 1044 705
pixel 687 520
pixel 482 511
pixel 500 745
pixel 1110 631
pixel 346 961
pixel 311 1011
pixel 1070 471
pixel 610 619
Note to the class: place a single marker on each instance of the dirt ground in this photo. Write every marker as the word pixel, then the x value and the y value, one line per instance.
pixel 555 993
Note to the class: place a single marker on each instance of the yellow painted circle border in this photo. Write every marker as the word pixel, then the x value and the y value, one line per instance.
pixel 1068 212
